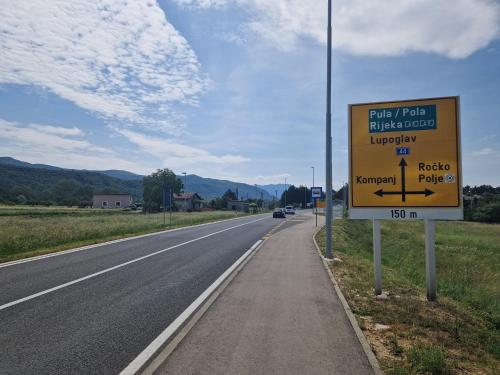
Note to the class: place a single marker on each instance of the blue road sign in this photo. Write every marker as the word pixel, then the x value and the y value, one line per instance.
pixel 401 151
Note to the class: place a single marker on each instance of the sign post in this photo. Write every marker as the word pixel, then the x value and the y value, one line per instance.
pixel 377 256
pixel 405 164
pixel 316 192
pixel 430 259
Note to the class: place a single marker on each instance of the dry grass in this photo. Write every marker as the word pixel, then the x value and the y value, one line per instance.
pixel 458 334
pixel 32 231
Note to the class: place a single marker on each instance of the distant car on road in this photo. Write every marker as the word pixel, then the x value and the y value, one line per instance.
pixel 278 213
pixel 289 210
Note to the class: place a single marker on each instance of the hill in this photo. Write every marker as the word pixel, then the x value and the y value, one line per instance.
pixel 123 175
pixel 25 185
pixel 210 188
pixel 274 189
pixel 32 183
pixel 18 163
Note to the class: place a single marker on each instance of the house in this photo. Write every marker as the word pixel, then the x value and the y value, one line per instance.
pixel 188 201
pixel 112 201
pixel 238 206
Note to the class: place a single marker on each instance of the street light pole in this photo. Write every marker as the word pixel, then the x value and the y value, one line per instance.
pixel 185 180
pixel 314 201
pixel 285 192
pixel 328 249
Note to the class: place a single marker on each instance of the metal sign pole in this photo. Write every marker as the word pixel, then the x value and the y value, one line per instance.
pixel 329 208
pixel 377 256
pixel 316 211
pixel 430 259
pixel 164 202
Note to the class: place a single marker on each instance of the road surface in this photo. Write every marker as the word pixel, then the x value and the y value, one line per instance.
pixel 93 311
pixel 280 315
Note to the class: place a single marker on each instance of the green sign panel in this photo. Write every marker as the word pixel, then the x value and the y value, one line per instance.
pixel 397 119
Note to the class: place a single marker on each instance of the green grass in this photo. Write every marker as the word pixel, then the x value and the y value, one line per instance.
pixel 464 324
pixel 428 359
pixel 32 231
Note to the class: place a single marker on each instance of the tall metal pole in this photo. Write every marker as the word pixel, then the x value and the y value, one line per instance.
pixel 344 200
pixel 329 208
pixel 430 259
pixel 377 256
pixel 285 191
pixel 315 210
pixel 164 198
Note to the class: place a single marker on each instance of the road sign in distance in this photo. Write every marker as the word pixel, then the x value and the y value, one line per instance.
pixel 404 160
pixel 316 192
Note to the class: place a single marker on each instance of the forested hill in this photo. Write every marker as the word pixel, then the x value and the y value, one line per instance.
pixel 210 188
pixel 26 185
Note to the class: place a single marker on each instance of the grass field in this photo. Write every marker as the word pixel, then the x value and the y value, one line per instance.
pixel 458 334
pixel 28 231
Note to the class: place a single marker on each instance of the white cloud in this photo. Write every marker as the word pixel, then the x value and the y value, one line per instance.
pixel 35 144
pixel 266 180
pixel 377 27
pixel 176 155
pixel 38 136
pixel 202 3
pixel 56 130
pixel 486 151
pixel 119 58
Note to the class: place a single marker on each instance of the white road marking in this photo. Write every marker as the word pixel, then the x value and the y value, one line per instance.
pixel 158 342
pixel 21 300
pixel 69 251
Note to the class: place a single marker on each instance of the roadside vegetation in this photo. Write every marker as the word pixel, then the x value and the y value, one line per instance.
pixel 28 231
pixel 458 334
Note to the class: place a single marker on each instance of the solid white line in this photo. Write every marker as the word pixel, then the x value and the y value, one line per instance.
pixel 87 247
pixel 158 342
pixel 16 302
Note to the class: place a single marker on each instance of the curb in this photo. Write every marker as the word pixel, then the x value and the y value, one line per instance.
pixel 352 319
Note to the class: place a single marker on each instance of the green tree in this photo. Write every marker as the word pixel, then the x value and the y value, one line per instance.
pixel 154 186
pixel 229 195
pixel 296 196
pixel 65 193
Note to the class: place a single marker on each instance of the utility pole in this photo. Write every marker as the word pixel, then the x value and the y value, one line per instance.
pixel 164 197
pixel 285 192
pixel 328 249
pixel 344 200
pixel 314 201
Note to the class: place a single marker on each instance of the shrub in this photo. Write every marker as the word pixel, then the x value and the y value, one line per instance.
pixel 489 213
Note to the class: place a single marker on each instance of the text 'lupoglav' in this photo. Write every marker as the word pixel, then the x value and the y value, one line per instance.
pixel 393 140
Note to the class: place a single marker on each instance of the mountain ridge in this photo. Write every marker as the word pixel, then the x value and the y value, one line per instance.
pixel 207 188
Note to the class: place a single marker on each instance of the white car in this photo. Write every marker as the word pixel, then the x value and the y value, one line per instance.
pixel 289 210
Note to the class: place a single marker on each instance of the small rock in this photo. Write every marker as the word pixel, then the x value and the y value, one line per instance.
pixel 382 296
pixel 381 327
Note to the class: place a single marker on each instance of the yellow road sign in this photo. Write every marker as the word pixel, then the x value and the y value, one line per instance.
pixel 405 154
pixel 320 203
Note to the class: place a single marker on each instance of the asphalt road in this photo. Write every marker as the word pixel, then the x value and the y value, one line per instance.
pixel 280 315
pixel 57 316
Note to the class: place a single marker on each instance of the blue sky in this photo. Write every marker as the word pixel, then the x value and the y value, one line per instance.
pixel 235 89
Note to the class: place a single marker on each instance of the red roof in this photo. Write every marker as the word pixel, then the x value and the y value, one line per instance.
pixel 184 196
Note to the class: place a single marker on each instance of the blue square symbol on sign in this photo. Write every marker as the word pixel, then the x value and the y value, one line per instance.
pixel 402 151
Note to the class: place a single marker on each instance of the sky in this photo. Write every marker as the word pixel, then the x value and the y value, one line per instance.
pixel 236 89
